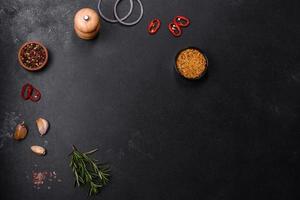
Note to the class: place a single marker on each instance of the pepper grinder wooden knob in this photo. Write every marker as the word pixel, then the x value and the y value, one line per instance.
pixel 87 23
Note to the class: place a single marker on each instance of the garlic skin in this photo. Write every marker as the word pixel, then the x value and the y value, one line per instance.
pixel 42 125
pixel 20 132
pixel 41 151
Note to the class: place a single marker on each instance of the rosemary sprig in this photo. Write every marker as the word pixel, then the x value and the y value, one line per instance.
pixel 87 171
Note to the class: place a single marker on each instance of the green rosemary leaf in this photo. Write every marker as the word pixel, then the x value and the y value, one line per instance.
pixel 76 176
pixel 81 180
pixel 91 152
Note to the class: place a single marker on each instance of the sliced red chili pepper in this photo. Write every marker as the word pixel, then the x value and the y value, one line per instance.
pixel 28 89
pixel 182 21
pixel 175 29
pixel 153 26
pixel 36 95
pixel 29 92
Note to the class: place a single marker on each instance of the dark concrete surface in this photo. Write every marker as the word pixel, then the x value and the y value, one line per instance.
pixel 233 135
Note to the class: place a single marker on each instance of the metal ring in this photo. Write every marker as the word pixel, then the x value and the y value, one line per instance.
pixel 128 23
pixel 114 20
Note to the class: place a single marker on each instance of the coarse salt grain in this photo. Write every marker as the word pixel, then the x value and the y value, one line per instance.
pixel 39 178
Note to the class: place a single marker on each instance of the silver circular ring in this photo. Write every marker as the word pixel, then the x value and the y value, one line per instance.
pixel 114 20
pixel 121 21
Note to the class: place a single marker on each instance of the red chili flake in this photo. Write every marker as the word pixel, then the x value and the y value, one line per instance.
pixel 153 26
pixel 182 21
pixel 175 29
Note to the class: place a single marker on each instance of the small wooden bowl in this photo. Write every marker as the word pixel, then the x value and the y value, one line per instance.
pixel 36 68
pixel 206 66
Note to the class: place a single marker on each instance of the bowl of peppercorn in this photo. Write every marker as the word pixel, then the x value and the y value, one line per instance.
pixel 33 56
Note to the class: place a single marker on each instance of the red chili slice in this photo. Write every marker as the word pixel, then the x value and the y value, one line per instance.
pixel 36 95
pixel 28 89
pixel 182 21
pixel 153 26
pixel 29 92
pixel 175 29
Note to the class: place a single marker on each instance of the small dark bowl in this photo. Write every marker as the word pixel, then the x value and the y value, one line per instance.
pixel 206 66
pixel 36 68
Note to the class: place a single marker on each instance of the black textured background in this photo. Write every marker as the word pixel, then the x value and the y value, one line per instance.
pixel 232 135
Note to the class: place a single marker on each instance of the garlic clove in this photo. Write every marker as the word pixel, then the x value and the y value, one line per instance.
pixel 41 151
pixel 20 132
pixel 42 125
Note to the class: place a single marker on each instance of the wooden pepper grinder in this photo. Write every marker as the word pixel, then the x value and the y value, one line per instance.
pixel 87 23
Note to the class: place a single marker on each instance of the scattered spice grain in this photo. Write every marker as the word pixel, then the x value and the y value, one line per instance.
pixel 44 179
pixel 38 178
pixel 191 63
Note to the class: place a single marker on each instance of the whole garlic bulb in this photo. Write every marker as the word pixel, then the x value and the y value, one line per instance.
pixel 42 125
pixel 20 132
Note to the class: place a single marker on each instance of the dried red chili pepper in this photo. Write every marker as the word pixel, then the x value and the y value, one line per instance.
pixel 182 21
pixel 175 29
pixel 153 26
pixel 31 93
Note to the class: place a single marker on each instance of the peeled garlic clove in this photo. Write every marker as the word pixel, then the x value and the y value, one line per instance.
pixel 41 151
pixel 20 132
pixel 42 125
